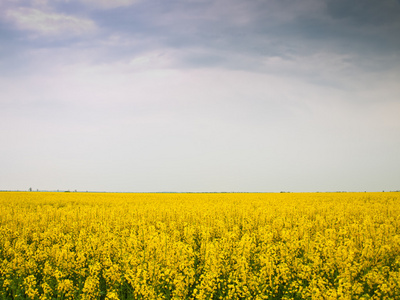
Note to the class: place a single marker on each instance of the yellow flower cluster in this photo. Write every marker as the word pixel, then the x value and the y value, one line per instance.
pixel 199 246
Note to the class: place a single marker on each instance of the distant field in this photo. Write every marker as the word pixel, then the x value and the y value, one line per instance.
pixel 199 246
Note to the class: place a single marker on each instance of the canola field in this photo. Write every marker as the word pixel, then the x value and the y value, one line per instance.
pixel 199 246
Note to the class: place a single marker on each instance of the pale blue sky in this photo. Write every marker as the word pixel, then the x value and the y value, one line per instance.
pixel 200 95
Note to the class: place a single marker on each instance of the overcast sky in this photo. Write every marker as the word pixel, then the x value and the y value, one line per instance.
pixel 200 95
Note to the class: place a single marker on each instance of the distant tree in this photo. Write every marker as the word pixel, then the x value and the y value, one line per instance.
pixel 30 189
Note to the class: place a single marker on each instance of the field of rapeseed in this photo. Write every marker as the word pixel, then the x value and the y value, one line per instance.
pixel 199 246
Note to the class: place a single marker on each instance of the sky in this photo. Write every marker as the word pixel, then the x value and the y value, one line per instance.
pixel 200 95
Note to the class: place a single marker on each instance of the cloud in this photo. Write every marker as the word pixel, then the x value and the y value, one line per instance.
pixel 107 4
pixel 49 23
pixel 230 34
pixel 239 34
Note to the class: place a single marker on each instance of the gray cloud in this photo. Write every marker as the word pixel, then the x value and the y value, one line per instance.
pixel 237 34
pixel 240 35
pixel 49 23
